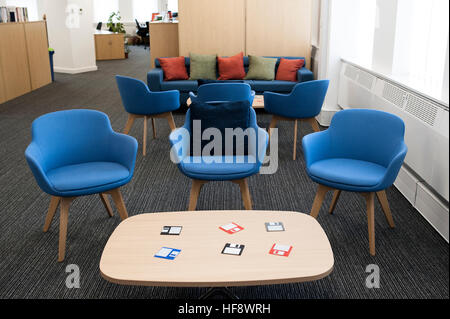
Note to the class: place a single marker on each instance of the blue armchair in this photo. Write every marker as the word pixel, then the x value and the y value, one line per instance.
pixel 140 102
pixel 304 103
pixel 223 92
pixel 203 169
pixel 362 151
pixel 76 153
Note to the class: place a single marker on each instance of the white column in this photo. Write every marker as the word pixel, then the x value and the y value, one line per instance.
pixel 446 81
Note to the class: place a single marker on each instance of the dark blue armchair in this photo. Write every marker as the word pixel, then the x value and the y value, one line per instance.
pixel 203 169
pixel 304 103
pixel 362 151
pixel 223 92
pixel 76 153
pixel 140 102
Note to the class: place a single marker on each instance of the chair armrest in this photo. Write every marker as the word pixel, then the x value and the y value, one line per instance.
pixel 36 162
pixel 155 78
pixel 316 147
pixel 394 167
pixel 261 140
pixel 123 149
pixel 165 101
pixel 304 75
pixel 193 97
pixel 277 103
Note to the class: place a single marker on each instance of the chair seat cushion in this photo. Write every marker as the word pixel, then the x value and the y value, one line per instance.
pixel 348 172
pixel 86 175
pixel 224 167
pixel 275 86
pixel 182 86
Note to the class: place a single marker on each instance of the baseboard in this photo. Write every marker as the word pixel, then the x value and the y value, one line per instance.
pixel 325 116
pixel 429 205
pixel 75 70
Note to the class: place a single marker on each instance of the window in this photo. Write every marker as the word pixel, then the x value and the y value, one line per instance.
pixel 104 8
pixel 143 9
pixel 31 5
pixel 172 5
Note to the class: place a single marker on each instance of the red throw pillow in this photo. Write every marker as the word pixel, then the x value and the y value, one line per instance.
pixel 231 68
pixel 174 68
pixel 287 70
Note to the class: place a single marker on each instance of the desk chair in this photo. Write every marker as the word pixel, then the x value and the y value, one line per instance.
pixel 229 167
pixel 215 92
pixel 76 153
pixel 362 152
pixel 99 26
pixel 143 32
pixel 304 103
pixel 140 102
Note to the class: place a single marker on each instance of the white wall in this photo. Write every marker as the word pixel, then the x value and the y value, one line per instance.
pixel 74 47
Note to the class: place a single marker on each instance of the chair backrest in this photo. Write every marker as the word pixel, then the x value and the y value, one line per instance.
pixel 71 137
pixel 368 135
pixel 309 97
pixel 224 92
pixel 135 95
pixel 99 26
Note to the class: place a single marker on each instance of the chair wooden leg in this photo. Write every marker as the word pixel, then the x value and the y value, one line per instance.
pixel 386 209
pixel 154 127
pixel 245 193
pixel 129 124
pixel 314 124
pixel 295 140
pixel 63 220
pixel 107 205
pixel 371 221
pixel 336 195
pixel 318 200
pixel 144 140
pixel 54 202
pixel 172 125
pixel 273 124
pixel 195 192
pixel 118 201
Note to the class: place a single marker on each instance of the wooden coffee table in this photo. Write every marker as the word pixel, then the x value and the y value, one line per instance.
pixel 258 102
pixel 128 257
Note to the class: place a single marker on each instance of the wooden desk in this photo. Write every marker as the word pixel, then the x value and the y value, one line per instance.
pixel 163 40
pixel 109 45
pixel 128 257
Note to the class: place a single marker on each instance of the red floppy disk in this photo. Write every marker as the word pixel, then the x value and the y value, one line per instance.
pixel 231 228
pixel 280 250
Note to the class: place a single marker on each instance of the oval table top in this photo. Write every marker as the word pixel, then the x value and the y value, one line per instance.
pixel 128 257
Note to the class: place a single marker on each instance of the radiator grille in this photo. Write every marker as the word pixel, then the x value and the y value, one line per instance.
pixel 351 72
pixel 394 95
pixel 366 79
pixel 421 109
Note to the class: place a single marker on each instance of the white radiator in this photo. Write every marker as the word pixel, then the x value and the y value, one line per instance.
pixel 427 137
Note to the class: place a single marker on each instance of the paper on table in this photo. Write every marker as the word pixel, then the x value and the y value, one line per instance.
pixel 232 251
pixel 228 226
pixel 164 252
pixel 175 230
pixel 282 247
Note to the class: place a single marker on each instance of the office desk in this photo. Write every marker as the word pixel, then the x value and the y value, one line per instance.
pixel 109 45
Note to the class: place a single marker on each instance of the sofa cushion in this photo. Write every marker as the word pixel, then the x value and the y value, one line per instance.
pixel 287 69
pixel 231 68
pixel 174 68
pixel 272 86
pixel 182 86
pixel 261 68
pixel 202 66
pixel 221 115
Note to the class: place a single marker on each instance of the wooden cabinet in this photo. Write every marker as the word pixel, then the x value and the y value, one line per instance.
pixel 163 40
pixel 14 60
pixel 24 60
pixel 109 45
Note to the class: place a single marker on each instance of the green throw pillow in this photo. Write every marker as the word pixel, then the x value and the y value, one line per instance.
pixel 202 66
pixel 261 68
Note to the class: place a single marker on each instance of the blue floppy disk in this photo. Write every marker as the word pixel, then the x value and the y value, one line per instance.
pixel 167 253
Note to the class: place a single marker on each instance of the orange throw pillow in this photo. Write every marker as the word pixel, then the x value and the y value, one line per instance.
pixel 231 68
pixel 174 68
pixel 287 70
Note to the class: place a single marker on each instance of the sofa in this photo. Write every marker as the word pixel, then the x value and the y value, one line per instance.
pixel 155 80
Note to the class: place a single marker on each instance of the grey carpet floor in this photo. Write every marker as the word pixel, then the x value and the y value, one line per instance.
pixel 413 258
